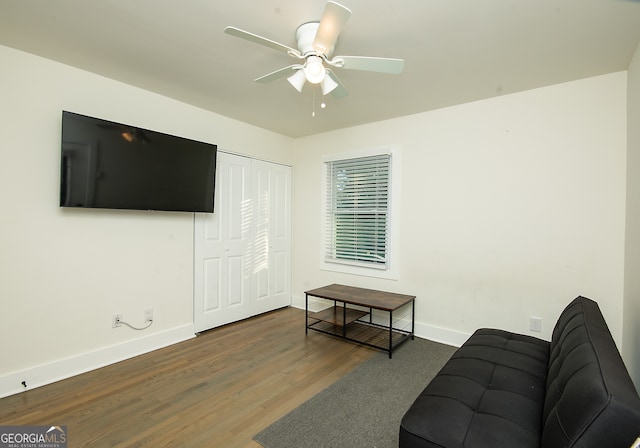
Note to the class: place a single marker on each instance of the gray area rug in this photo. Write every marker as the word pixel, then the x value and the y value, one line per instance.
pixel 363 409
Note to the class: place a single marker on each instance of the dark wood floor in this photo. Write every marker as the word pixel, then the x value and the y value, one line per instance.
pixel 217 390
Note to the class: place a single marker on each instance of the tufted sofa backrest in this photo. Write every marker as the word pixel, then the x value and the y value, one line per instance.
pixel 590 399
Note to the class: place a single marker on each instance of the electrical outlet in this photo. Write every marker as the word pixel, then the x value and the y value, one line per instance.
pixel 115 320
pixel 148 315
pixel 535 324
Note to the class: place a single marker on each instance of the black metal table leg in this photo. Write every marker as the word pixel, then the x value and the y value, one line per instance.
pixel 413 319
pixel 390 334
pixel 344 320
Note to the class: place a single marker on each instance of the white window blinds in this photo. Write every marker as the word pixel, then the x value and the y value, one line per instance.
pixel 357 211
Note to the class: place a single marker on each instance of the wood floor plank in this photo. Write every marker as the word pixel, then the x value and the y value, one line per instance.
pixel 217 390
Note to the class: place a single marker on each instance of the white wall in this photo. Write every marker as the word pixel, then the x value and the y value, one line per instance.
pixel 64 272
pixel 510 207
pixel 631 352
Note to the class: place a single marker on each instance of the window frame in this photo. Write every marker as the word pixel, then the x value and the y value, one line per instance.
pixel 390 270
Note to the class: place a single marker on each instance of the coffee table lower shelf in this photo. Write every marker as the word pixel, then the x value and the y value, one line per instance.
pixel 365 333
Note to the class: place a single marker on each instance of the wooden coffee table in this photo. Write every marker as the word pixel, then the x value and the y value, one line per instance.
pixel 352 316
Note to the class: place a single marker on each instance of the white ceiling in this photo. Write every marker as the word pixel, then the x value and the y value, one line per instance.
pixel 456 51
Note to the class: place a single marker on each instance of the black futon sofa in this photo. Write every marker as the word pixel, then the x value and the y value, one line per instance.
pixel 502 389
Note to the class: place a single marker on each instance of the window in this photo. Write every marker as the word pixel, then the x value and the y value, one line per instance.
pixel 357 211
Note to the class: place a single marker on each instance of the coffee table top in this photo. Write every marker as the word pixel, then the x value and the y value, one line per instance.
pixel 372 298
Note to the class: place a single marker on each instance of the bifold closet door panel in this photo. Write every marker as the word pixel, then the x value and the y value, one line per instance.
pixel 242 252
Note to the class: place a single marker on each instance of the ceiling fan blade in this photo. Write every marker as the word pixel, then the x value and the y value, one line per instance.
pixel 333 19
pixel 380 65
pixel 281 73
pixel 246 35
pixel 340 91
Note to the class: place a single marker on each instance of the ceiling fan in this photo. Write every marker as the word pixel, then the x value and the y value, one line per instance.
pixel 316 42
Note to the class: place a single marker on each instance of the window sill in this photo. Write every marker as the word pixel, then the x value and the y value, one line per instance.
pixel 389 274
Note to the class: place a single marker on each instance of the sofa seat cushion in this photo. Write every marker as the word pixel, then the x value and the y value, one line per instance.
pixel 490 393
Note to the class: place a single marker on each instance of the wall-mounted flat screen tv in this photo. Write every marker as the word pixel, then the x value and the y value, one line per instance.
pixel 116 166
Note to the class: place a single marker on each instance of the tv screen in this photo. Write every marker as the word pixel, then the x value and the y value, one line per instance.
pixel 111 165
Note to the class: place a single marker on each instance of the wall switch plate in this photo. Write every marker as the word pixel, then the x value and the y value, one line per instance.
pixel 535 324
pixel 148 315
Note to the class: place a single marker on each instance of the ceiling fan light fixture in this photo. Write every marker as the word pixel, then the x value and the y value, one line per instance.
pixel 314 70
pixel 297 80
pixel 328 85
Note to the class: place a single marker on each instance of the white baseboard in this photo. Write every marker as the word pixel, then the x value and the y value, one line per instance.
pixel 443 335
pixel 425 331
pixel 41 375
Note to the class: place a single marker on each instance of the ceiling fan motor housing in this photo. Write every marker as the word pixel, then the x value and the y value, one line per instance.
pixel 306 34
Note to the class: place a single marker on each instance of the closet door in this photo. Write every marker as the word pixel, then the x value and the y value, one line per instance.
pixel 272 194
pixel 223 287
pixel 242 252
